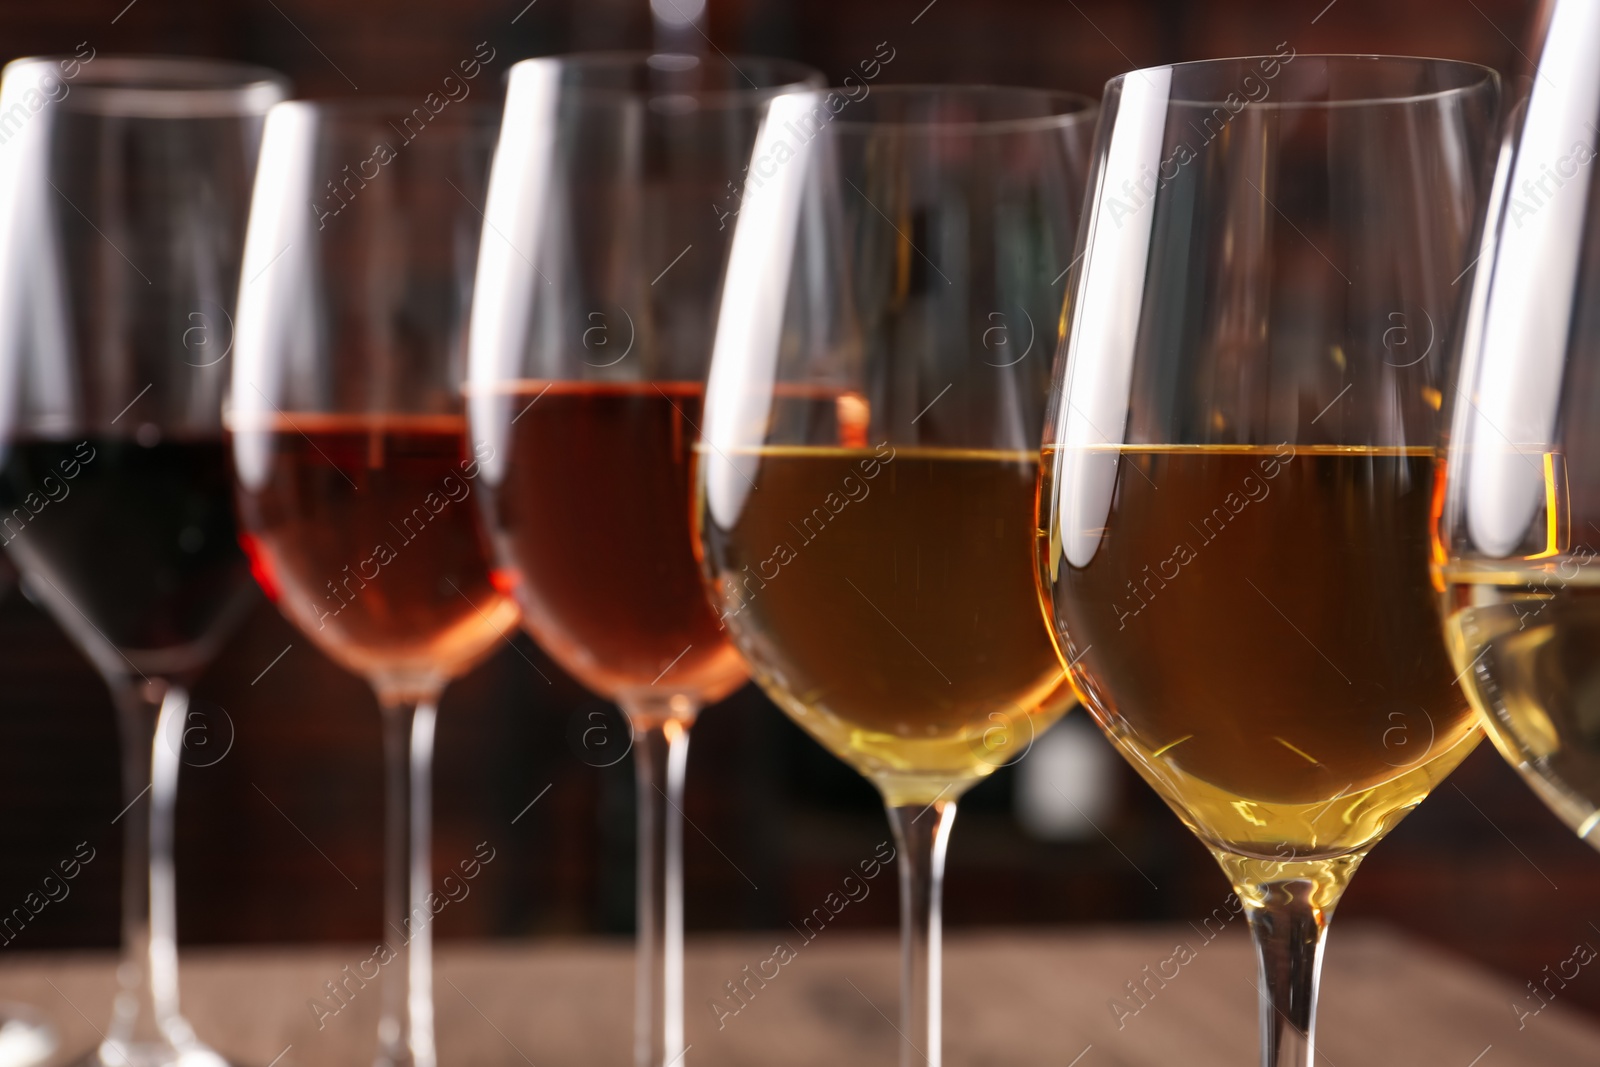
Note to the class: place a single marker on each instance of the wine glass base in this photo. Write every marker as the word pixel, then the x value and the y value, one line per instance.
pixel 26 1040
pixel 111 1053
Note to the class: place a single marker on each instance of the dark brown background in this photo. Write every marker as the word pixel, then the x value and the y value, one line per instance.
pixel 279 840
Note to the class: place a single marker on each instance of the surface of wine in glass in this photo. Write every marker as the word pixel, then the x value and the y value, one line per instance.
pixel 364 532
pixel 1302 702
pixel 591 519
pixel 137 535
pixel 887 599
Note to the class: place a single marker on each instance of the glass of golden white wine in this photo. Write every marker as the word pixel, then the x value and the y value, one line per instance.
pixel 1518 559
pixel 1239 464
pixel 868 457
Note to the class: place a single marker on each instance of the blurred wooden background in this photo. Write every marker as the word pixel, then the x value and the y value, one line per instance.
pixel 279 838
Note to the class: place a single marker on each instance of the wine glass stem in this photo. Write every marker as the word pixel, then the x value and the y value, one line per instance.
pixel 921 834
pixel 1288 929
pixel 660 758
pixel 150 718
pixel 405 1024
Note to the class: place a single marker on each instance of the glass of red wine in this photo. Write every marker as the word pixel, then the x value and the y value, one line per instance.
pixel 124 187
pixel 353 471
pixel 609 212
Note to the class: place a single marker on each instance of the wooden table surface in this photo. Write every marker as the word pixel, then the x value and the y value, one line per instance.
pixel 1019 998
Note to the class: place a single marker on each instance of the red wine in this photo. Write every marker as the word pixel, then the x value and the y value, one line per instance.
pixel 592 526
pixel 362 530
pixel 133 546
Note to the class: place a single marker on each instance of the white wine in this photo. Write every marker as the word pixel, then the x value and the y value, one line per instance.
pixel 1525 636
pixel 885 599
pixel 1255 628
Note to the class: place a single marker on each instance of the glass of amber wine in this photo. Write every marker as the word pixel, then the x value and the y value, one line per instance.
pixel 353 470
pixel 1518 558
pixel 866 474
pixel 608 218
pixel 1239 464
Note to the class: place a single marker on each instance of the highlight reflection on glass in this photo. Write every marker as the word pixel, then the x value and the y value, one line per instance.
pixel 1239 465
pixel 867 471
pixel 1519 529
pixel 354 474
pixel 605 231
pixel 123 195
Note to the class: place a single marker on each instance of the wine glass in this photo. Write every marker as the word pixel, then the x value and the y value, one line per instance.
pixel 1239 464
pixel 869 453
pixel 605 231
pixel 354 474
pixel 1518 523
pixel 124 185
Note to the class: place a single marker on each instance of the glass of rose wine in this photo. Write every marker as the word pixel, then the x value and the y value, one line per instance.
pixel 354 473
pixel 866 472
pixel 608 218
pixel 1518 554
pixel 124 187
pixel 1239 464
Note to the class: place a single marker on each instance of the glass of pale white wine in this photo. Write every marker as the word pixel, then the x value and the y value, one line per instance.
pixel 1518 556
pixel 1239 464
pixel 869 452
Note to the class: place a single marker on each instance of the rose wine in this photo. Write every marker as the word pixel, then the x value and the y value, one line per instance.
pixel 591 525
pixel 1526 638
pixel 1265 621
pixel 134 545
pixel 362 528
pixel 885 599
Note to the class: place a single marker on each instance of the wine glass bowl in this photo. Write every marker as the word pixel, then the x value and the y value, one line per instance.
pixel 868 460
pixel 592 334
pixel 1239 467
pixel 127 196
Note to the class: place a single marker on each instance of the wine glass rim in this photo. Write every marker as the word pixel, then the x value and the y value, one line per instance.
pixel 1083 109
pixel 1485 76
pixel 158 86
pixel 793 76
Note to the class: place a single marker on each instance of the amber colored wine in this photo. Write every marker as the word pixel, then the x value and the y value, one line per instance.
pixel 1526 638
pixel 885 599
pixel 133 544
pixel 363 530
pixel 591 527
pixel 1256 628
